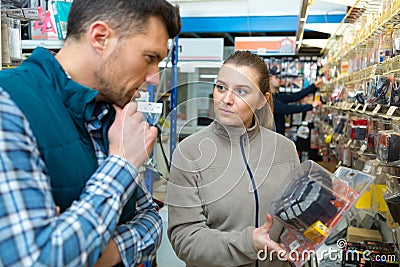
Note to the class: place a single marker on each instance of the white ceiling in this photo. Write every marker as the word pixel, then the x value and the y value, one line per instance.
pixel 248 8
pixel 210 8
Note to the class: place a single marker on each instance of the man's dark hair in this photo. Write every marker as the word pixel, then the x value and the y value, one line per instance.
pixel 127 17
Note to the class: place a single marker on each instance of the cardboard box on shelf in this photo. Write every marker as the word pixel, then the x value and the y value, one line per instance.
pixel 355 234
pixel 330 166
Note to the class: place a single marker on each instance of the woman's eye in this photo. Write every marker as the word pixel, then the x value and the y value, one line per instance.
pixel 220 87
pixel 241 91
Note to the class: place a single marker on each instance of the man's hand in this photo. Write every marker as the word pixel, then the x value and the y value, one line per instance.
pixel 110 255
pixel 130 137
pixel 316 104
pixel 262 240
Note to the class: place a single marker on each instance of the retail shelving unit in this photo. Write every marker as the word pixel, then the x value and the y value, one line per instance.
pixel 49 44
pixel 345 73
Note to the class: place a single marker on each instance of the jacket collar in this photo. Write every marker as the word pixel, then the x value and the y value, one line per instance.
pixel 233 134
pixel 77 98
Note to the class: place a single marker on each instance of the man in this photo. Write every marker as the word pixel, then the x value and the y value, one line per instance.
pixel 71 141
pixel 281 106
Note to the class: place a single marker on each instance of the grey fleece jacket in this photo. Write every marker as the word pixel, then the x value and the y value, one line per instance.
pixel 211 201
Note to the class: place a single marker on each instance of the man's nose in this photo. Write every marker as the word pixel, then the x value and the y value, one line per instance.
pixel 153 77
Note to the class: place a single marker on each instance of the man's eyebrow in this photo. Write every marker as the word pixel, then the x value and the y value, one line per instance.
pixel 158 56
pixel 155 54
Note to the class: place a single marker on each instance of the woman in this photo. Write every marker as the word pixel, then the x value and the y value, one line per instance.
pixel 224 177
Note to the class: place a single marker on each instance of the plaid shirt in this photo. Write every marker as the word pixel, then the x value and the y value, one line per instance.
pixel 31 233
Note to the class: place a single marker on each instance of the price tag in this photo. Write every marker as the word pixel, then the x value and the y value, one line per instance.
pixel 357 107
pixel 391 110
pixel 379 170
pixel 367 168
pixel 365 108
pixel 363 148
pixel 377 108
pixel 294 245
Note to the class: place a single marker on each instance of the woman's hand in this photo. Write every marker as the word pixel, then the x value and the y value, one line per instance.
pixel 262 240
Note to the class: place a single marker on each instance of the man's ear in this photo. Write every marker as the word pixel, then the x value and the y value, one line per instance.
pixel 264 100
pixel 99 34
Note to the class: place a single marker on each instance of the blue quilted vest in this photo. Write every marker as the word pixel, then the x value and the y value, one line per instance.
pixel 57 109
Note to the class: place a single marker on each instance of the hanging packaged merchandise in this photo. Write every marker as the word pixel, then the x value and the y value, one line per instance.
pixel 340 124
pixel 396 42
pixel 383 146
pixel 355 148
pixel 303 131
pixel 392 197
pixel 312 203
pixel 378 90
pixel 357 129
pixel 371 133
pixel 344 152
pixel 14 31
pixel 360 98
pixel 387 41
pixel 373 138
pixel 336 94
pixel 388 146
pixel 395 94
pixel 329 119
pixel 394 147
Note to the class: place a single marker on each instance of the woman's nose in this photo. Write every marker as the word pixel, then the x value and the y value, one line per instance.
pixel 228 98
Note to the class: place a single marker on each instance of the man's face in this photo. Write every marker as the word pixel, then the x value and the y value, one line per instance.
pixel 132 64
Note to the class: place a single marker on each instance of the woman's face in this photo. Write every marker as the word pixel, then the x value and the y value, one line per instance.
pixel 236 95
pixel 275 81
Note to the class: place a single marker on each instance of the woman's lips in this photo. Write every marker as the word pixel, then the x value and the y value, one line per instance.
pixel 226 111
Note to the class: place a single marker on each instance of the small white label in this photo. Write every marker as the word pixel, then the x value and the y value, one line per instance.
pixel 378 170
pixel 367 168
pixel 150 107
pixel 363 148
pixel 377 108
pixel 349 142
pixel 294 245
pixel 391 110
pixel 365 108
